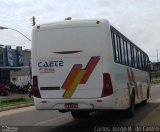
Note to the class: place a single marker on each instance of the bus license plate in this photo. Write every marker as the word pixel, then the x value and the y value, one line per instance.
pixel 71 106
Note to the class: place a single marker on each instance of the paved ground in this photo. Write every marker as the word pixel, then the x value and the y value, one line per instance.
pixel 153 118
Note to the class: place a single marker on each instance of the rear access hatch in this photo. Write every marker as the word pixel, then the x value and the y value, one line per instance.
pixel 70 77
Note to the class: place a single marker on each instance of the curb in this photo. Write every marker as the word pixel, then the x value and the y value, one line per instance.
pixel 16 107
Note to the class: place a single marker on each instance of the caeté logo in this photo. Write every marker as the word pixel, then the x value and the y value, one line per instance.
pixel 49 65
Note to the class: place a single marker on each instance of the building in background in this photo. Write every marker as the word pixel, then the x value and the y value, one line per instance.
pixel 15 65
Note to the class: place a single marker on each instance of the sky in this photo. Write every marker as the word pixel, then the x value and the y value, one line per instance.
pixel 138 20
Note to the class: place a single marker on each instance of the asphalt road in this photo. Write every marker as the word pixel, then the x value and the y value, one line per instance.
pixel 28 119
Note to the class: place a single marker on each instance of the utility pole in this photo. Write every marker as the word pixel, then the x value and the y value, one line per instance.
pixel 157 56
pixel 33 20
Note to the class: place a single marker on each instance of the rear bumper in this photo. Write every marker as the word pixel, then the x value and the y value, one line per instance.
pixel 83 104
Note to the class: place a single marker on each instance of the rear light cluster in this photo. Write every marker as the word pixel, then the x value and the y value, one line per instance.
pixel 36 92
pixel 107 85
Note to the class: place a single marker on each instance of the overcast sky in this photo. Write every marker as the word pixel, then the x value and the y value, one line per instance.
pixel 139 20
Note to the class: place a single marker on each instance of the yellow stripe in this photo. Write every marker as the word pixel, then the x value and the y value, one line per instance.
pixel 74 85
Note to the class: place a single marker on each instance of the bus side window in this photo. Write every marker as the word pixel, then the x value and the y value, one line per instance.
pixel 135 57
pixel 145 63
pixel 132 57
pixel 119 49
pixel 113 44
pixel 116 48
pixel 122 51
pixel 140 60
pixel 125 52
pixel 129 54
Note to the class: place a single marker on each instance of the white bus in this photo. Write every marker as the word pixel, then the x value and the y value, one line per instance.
pixel 87 65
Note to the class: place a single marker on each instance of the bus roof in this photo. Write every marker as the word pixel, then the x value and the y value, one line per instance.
pixel 70 23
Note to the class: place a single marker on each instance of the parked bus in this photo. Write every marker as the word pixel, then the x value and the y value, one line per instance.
pixel 87 65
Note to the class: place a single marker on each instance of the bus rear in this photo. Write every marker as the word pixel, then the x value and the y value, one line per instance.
pixel 67 66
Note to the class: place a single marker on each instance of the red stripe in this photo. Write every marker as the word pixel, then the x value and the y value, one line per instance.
pixel 89 68
pixel 71 77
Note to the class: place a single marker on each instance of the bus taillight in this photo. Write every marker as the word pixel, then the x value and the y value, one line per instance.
pixel 107 85
pixel 36 92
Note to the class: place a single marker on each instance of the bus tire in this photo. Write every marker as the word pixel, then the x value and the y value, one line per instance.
pixel 77 114
pixel 144 102
pixel 148 93
pixel 131 109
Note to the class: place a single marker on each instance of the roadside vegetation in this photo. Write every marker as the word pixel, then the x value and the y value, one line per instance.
pixel 155 77
pixel 155 80
pixel 15 102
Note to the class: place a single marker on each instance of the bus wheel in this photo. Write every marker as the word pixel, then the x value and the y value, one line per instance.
pixel 77 114
pixel 145 101
pixel 131 109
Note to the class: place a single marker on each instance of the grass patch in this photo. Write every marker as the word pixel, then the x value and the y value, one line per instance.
pixel 15 102
pixel 155 81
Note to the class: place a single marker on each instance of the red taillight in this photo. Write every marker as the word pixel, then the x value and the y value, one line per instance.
pixel 107 85
pixel 36 92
